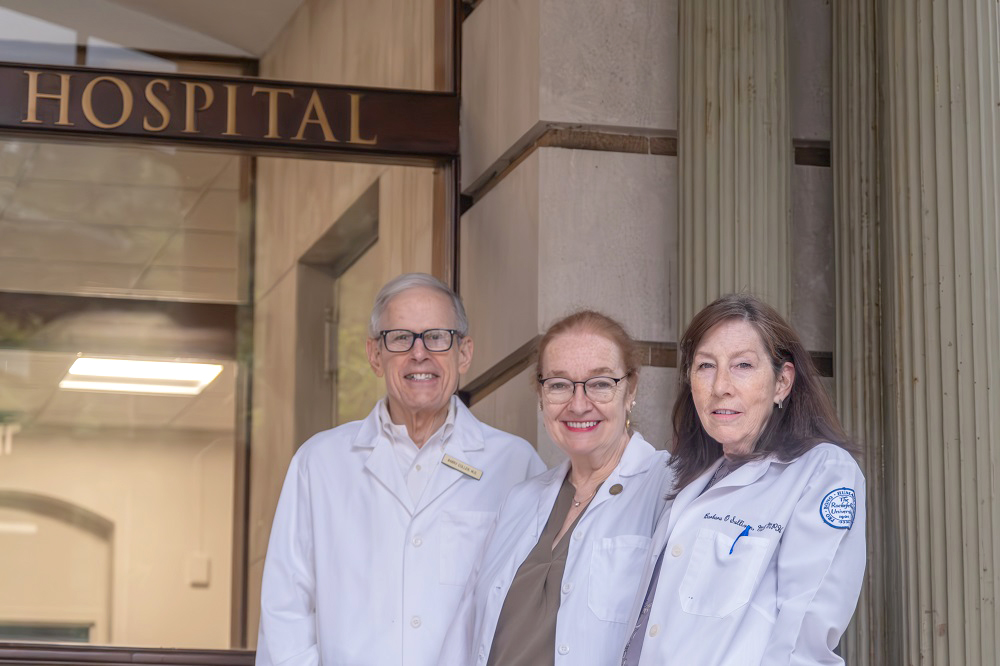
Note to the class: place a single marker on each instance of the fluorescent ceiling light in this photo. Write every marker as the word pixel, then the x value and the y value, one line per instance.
pixel 18 528
pixel 119 375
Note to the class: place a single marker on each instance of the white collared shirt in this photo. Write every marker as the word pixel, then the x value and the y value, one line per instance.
pixel 417 463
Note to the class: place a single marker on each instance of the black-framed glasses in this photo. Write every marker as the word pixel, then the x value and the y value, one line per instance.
pixel 559 390
pixel 398 340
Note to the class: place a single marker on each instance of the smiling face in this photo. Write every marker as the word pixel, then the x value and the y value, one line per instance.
pixel 581 427
pixel 734 385
pixel 419 383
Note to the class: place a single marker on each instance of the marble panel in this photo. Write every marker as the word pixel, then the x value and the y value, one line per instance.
pixel 326 43
pixel 529 64
pixel 654 402
pixel 480 112
pixel 499 264
pixel 609 63
pixel 810 62
pixel 518 73
pixel 608 238
pixel 814 289
pixel 515 405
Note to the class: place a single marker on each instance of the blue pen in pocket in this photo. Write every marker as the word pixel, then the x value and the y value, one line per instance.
pixel 746 531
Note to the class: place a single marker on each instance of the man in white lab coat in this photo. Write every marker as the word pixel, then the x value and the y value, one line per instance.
pixel 380 521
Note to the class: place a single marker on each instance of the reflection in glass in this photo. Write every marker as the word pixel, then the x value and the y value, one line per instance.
pixel 116 507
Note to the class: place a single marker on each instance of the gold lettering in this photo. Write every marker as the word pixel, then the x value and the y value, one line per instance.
pixel 33 96
pixel 231 89
pixel 356 123
pixel 88 102
pixel 272 107
pixel 157 104
pixel 191 92
pixel 315 108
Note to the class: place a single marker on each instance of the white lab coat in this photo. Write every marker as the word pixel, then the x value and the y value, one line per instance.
pixel 781 594
pixel 604 563
pixel 355 573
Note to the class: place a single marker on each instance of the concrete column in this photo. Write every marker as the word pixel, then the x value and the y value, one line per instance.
pixel 857 353
pixel 734 152
pixel 941 78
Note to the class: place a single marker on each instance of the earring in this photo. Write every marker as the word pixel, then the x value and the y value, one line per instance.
pixel 780 400
pixel 628 419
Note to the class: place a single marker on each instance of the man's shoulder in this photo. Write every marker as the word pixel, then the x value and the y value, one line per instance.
pixel 330 442
pixel 496 440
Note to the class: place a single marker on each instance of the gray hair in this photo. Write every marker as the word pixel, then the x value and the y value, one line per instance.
pixel 401 283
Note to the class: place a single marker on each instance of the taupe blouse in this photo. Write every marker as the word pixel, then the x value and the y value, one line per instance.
pixel 526 628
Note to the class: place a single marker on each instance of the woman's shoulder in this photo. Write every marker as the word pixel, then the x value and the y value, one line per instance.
pixel 830 459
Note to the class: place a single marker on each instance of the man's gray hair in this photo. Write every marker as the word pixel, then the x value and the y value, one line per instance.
pixel 401 283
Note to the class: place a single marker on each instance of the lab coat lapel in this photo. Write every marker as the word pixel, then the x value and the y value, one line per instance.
pixel 381 462
pixel 635 459
pixel 547 498
pixel 465 444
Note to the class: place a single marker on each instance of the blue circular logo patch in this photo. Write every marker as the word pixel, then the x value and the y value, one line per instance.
pixel 838 508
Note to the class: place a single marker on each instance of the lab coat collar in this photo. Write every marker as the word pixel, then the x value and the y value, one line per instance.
pixel 745 475
pixel 636 459
pixel 463 442
pixel 466 443
pixel 467 431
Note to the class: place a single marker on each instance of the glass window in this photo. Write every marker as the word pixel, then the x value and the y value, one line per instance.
pixel 117 479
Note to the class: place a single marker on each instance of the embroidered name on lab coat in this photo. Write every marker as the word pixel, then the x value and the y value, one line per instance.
pixel 464 468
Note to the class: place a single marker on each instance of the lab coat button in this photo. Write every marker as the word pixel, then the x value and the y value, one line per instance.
pixel 417 542
pixel 616 489
pixel 415 622
pixel 563 649
pixel 677 551
pixel 567 588
pixel 577 536
pixel 655 629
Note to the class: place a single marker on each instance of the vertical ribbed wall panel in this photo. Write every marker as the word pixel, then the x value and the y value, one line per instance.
pixel 859 308
pixel 734 152
pixel 942 90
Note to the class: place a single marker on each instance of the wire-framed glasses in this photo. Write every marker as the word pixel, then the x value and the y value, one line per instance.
pixel 400 340
pixel 559 390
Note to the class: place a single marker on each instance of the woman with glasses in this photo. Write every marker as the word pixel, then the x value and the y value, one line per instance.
pixel 557 575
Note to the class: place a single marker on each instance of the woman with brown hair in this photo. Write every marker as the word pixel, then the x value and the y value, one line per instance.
pixel 760 556
pixel 558 572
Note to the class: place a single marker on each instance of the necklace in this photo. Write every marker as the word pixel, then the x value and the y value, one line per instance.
pixel 577 502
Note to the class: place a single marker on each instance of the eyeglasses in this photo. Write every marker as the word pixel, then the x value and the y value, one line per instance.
pixel 400 340
pixel 559 390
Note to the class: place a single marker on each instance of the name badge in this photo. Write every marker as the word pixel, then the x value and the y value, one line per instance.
pixel 464 468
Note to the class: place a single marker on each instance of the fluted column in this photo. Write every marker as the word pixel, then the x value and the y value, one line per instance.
pixel 941 69
pixel 858 354
pixel 734 152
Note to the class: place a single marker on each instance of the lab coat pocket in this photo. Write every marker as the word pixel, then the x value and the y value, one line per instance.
pixel 462 536
pixel 721 573
pixel 616 565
